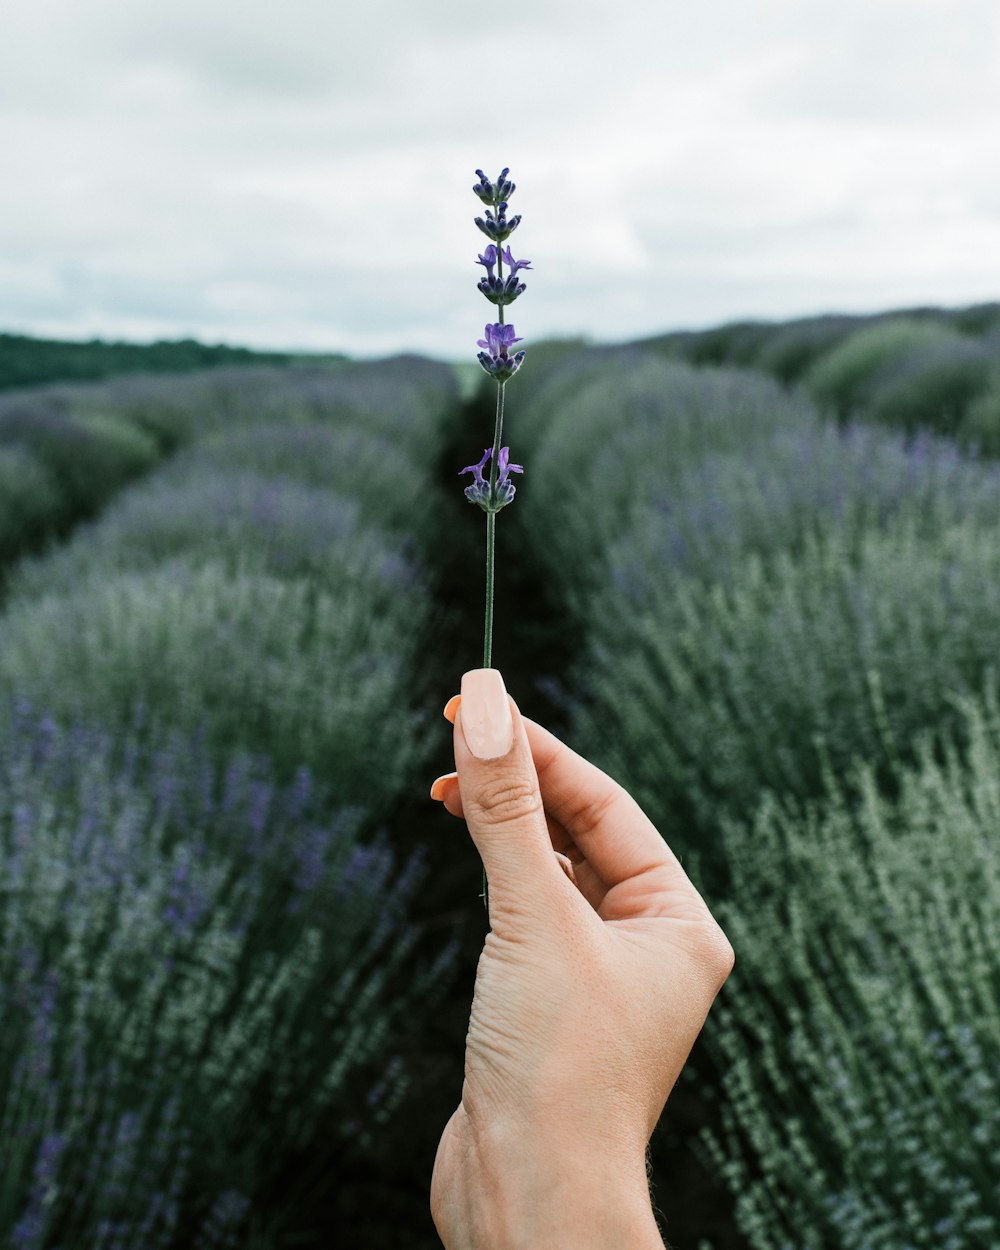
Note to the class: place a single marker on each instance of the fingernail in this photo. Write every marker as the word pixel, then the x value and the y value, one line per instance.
pixel 486 719
pixel 440 786
pixel 451 707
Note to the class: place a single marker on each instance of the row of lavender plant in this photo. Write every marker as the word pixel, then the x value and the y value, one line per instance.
pixel 858 1047
pixel 210 956
pixel 739 565
pixel 66 451
pixel 765 599
pixel 254 587
pixel 205 975
pixel 931 369
pixel 59 464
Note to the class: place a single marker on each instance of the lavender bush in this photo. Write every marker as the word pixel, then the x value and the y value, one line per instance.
pixel 89 456
pixel 842 379
pixel 862 1087
pixel 709 694
pixel 241 520
pixel 803 481
pixel 402 398
pixel 980 428
pixel 304 674
pixel 373 469
pixel 933 388
pixel 196 966
pixel 29 501
pixel 792 348
pixel 629 439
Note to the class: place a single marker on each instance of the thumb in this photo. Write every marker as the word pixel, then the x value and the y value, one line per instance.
pixel 501 799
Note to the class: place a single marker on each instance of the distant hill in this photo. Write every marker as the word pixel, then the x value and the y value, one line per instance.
pixel 27 361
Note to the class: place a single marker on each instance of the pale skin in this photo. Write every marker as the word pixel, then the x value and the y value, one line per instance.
pixel 592 987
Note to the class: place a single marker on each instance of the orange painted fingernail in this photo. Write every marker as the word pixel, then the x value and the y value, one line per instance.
pixel 451 707
pixel 440 785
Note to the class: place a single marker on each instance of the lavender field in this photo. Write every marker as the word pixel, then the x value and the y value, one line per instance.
pixel 753 573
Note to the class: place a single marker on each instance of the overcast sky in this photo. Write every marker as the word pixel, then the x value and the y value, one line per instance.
pixel 298 174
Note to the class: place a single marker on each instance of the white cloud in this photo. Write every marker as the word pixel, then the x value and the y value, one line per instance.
pixel 301 176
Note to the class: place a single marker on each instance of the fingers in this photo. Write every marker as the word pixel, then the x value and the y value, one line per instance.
pixel 604 822
pixel 500 798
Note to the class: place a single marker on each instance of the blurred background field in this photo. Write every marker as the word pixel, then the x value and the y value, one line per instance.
pixel 754 572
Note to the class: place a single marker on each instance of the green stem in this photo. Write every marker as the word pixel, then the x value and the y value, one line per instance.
pixel 491 524
pixel 491 530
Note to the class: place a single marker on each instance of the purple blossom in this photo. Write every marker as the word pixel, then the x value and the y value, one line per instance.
pixel 477 469
pixel 494 357
pixel 479 491
pixel 514 265
pixel 489 258
pixel 491 193
pixel 498 228
pixel 498 338
pixel 506 467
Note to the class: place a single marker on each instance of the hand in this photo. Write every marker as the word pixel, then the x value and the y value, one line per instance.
pixel 589 993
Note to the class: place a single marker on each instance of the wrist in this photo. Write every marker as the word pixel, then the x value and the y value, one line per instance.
pixel 559 1197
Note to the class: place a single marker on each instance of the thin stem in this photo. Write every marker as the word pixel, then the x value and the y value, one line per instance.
pixel 500 280
pixel 491 522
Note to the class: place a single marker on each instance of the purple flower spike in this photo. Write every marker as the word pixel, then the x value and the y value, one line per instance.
pixel 515 265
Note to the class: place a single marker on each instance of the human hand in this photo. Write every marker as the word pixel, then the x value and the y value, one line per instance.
pixel 589 993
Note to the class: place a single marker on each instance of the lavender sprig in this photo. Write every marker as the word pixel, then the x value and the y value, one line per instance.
pixel 501 364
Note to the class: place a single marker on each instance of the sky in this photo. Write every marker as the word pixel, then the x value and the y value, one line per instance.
pixel 298 175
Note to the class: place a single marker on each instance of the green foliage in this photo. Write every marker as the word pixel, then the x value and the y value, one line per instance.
pixel 26 361
pixel 793 347
pixel 29 501
pixel 980 427
pixel 932 388
pixel 842 378
pixel 89 456
pixel 857 1036
pixel 977 319
pixel 304 674
pixel 701 695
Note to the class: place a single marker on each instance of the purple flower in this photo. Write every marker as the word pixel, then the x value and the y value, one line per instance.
pixel 515 265
pixel 479 491
pixel 504 465
pixel 498 228
pixel 489 258
pixel 494 357
pixel 498 338
pixel 493 194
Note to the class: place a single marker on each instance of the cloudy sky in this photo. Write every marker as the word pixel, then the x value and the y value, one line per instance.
pixel 297 175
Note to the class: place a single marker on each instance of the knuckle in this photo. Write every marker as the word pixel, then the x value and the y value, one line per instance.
pixel 502 800
pixel 715 952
